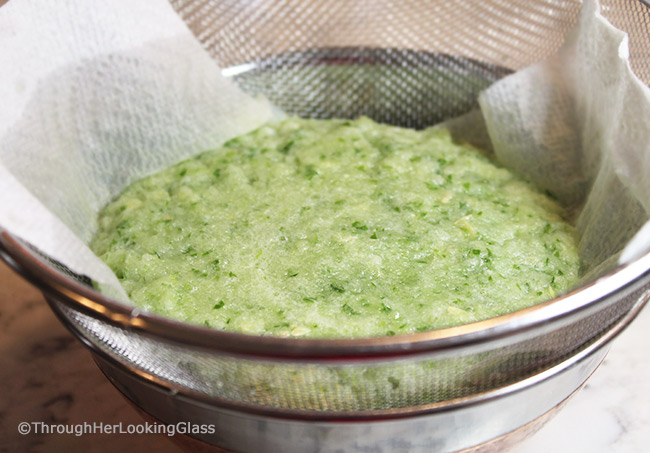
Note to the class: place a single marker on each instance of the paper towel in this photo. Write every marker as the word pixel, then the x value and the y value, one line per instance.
pixel 577 125
pixel 97 95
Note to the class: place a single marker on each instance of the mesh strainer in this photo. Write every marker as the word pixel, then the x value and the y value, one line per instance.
pixel 409 63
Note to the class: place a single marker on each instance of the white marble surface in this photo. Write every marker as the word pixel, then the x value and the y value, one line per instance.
pixel 48 376
pixel 611 414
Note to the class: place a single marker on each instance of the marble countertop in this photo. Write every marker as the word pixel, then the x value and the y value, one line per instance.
pixel 49 376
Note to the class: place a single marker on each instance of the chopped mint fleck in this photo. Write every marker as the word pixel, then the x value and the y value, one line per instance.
pixel 337 288
pixel 287 146
pixel 310 171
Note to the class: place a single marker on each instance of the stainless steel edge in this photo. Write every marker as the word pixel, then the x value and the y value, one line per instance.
pixel 88 301
pixel 454 404
pixel 441 431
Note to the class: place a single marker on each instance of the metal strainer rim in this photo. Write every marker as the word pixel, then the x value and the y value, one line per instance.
pixel 85 299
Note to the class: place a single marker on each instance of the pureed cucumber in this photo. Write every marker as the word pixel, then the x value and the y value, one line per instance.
pixel 333 228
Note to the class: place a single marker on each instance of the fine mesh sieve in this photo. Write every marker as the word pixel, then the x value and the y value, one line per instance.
pixel 407 63
pixel 342 388
pixel 414 63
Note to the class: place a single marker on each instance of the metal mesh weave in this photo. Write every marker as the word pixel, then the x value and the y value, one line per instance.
pixel 408 62
pixel 353 386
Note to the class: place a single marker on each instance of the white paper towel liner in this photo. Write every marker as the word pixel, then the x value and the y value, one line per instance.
pixel 94 124
pixel 577 125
